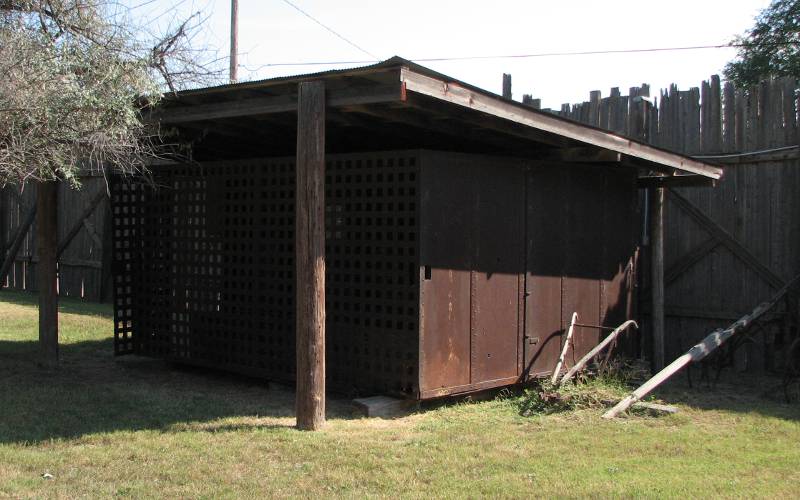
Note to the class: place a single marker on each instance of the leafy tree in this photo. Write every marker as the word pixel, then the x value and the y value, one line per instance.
pixel 75 79
pixel 770 48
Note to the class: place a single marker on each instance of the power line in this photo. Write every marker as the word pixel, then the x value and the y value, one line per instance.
pixel 526 56
pixel 298 9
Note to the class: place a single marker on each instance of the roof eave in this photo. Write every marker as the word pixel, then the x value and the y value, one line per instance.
pixel 467 96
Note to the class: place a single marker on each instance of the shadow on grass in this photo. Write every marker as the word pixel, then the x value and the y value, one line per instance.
pixel 94 393
pixel 734 393
pixel 67 305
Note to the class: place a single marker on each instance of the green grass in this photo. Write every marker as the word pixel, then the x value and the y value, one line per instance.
pixel 105 426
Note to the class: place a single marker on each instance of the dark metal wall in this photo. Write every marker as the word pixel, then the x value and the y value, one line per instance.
pixel 446 273
pixel 472 253
pixel 582 225
pixel 510 249
pixel 204 268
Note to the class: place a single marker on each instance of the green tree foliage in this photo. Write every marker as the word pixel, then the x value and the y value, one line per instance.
pixel 770 48
pixel 75 76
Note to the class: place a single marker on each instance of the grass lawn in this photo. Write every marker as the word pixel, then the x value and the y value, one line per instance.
pixel 105 426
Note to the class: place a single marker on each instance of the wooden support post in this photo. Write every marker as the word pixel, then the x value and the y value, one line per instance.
pixel 46 272
pixel 657 276
pixel 310 255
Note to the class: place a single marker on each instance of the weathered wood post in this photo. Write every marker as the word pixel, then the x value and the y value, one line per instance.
pixel 46 271
pixel 507 86
pixel 310 255
pixel 657 275
pixel 234 62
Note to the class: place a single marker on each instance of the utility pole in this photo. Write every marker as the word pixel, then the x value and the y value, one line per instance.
pixel 234 40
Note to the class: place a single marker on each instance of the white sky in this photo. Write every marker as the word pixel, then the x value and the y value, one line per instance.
pixel 270 31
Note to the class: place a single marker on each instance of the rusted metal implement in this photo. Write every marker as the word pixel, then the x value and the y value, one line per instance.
pixel 594 352
pixel 557 369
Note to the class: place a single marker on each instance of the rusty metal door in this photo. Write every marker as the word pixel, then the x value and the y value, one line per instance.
pixel 472 254
pixel 497 263
pixel 546 246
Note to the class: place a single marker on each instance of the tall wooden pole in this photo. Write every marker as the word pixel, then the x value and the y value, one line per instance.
pixel 46 272
pixel 310 255
pixel 657 275
pixel 234 68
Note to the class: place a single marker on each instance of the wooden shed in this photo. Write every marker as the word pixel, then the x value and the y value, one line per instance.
pixel 462 230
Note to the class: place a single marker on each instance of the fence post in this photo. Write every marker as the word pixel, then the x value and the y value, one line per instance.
pixel 506 86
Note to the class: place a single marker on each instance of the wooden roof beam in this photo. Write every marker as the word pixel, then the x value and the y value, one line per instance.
pixel 583 155
pixel 493 123
pixel 668 181
pixel 408 116
pixel 278 104
pixel 417 83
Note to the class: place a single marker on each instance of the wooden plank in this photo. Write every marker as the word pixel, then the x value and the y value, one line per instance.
pixel 729 118
pixel 788 85
pixel 64 263
pixel 519 113
pixel 582 155
pixel 106 277
pixel 705 116
pixel 310 255
pixel 693 312
pixel 714 136
pixel 279 104
pixel 692 120
pixel 594 108
pixel 661 181
pixel 46 272
pixel 80 222
pixel 19 239
pixel 685 262
pixel 726 239
pixel 507 86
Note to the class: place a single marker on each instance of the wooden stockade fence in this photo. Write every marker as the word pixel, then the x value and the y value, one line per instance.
pixel 728 248
pixel 83 235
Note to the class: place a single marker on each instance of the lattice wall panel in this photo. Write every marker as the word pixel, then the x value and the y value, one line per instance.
pixel 372 279
pixel 127 198
pixel 204 269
